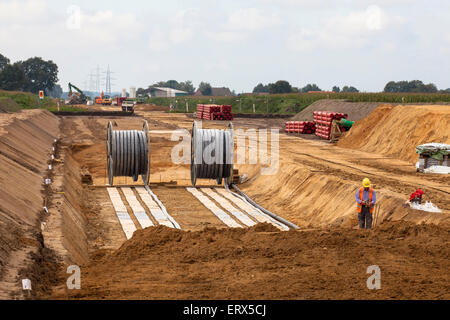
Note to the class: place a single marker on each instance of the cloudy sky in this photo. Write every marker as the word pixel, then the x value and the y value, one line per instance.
pixel 234 43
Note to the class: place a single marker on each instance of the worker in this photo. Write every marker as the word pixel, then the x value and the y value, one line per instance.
pixel 416 196
pixel 365 203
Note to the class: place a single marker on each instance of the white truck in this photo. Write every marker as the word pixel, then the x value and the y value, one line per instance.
pixel 128 105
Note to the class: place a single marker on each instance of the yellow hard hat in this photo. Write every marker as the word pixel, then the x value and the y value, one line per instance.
pixel 366 183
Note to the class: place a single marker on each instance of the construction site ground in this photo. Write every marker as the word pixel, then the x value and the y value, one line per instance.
pixel 314 187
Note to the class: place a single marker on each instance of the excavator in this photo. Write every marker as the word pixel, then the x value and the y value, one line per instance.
pixel 76 97
pixel 103 100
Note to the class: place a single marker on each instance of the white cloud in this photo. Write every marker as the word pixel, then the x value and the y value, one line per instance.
pixel 226 36
pixel 217 66
pixel 352 30
pixel 251 19
pixel 159 41
pixel 16 11
pixel 241 24
pixel 181 28
pixel 106 27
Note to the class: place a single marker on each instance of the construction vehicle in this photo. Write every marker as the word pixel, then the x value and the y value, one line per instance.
pixel 104 100
pixel 128 105
pixel 140 99
pixel 118 101
pixel 338 127
pixel 76 97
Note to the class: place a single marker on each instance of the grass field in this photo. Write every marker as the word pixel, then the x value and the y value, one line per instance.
pixel 274 103
pixel 27 100
pixel 293 103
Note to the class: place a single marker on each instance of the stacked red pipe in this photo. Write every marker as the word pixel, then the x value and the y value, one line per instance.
pixel 323 121
pixel 214 112
pixel 305 127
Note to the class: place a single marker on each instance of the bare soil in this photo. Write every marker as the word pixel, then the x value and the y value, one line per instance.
pixel 314 187
pixel 262 263
pixel 355 110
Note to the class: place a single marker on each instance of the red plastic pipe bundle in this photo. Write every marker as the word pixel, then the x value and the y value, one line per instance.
pixel 214 112
pixel 305 127
pixel 323 121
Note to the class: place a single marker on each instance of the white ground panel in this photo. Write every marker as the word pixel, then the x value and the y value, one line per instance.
pixel 121 211
pixel 224 203
pixel 138 210
pixel 222 215
pixel 155 210
pixel 251 210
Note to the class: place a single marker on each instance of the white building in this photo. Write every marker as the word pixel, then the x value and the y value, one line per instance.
pixel 166 92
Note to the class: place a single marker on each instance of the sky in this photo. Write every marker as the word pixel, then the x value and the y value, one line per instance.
pixel 234 43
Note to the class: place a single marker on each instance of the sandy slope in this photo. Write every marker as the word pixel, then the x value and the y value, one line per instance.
pixel 396 130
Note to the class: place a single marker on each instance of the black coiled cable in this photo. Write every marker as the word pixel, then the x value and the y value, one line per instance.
pixel 128 154
pixel 212 153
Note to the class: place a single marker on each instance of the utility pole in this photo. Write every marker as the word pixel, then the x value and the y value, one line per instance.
pixel 108 83
pixel 97 82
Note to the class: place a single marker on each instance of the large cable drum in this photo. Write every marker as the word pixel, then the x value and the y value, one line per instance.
pixel 212 154
pixel 128 154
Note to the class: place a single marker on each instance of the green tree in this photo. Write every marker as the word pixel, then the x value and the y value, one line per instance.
pixel 205 88
pixel 12 77
pixel 310 87
pixel 187 86
pixel 410 86
pixel 336 89
pixel 4 61
pixel 56 92
pixel 349 89
pixel 260 88
pixel 281 86
pixel 40 74
pixel 172 84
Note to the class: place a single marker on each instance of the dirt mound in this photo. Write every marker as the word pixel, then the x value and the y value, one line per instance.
pixel 26 140
pixel 8 105
pixel 396 130
pixel 262 263
pixel 355 110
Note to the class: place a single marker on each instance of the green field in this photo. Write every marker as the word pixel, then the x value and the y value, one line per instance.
pixel 294 102
pixel 274 103
pixel 26 100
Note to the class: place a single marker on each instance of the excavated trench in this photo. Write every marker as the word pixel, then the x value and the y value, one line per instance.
pixel 314 188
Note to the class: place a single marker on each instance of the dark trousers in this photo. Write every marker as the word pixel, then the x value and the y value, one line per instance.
pixel 365 218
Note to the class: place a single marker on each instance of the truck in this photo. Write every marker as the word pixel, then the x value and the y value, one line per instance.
pixel 128 105
pixel 103 100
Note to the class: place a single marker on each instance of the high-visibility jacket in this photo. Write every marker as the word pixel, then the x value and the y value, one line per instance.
pixel 359 205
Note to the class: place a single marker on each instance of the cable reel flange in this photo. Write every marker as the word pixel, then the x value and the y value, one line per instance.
pixel 128 153
pixel 221 143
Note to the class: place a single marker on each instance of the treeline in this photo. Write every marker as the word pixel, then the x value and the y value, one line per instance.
pixel 414 86
pixel 31 75
pixel 204 87
pixel 186 86
pixel 282 86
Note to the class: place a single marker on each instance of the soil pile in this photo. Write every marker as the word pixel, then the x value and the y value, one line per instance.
pixel 26 140
pixel 355 110
pixel 262 263
pixel 396 130
pixel 8 105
